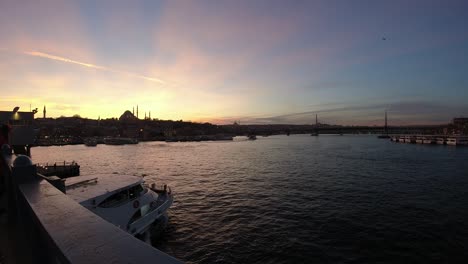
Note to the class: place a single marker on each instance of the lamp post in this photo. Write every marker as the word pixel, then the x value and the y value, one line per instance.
pixel 15 115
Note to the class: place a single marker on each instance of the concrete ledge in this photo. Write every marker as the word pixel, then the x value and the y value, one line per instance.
pixel 73 234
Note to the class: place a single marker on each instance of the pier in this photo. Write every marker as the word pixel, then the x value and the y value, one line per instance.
pixel 43 225
pixel 61 169
pixel 458 140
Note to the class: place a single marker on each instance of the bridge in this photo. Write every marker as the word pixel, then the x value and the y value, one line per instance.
pixel 43 225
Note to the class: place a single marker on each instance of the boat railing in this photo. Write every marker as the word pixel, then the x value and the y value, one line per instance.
pixel 157 208
pixel 162 188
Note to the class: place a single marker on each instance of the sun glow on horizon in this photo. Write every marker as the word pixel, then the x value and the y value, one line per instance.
pixel 228 61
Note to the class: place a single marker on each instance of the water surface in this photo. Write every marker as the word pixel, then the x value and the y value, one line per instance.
pixel 299 199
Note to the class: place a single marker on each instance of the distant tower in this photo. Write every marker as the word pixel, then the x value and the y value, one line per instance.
pixel 386 127
pixel 133 111
pixel 145 115
pixel 137 111
pixel 316 120
pixel 44 112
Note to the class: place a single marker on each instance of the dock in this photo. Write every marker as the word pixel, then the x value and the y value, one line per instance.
pixel 60 169
pixel 454 140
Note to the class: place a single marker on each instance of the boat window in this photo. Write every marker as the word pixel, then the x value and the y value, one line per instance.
pixel 135 191
pixel 115 199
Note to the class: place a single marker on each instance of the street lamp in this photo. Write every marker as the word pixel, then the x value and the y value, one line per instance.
pixel 15 113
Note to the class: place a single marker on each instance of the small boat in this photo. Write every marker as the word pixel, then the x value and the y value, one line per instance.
pixel 252 137
pixel 429 140
pixel 441 141
pixel 314 134
pixel 120 141
pixel 122 200
pixel 419 140
pixel 90 142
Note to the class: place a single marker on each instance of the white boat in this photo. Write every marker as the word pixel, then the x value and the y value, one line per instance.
pixel 122 200
pixel 429 140
pixel 441 141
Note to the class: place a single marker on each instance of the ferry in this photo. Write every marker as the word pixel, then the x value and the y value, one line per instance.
pixel 124 201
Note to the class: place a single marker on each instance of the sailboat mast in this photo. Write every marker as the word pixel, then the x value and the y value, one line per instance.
pixel 386 127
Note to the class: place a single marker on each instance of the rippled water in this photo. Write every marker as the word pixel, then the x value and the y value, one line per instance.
pixel 299 199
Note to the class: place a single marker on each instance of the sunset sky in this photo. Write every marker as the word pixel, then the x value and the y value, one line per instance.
pixel 252 61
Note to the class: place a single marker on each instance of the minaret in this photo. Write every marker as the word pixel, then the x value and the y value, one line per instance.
pixel 145 115
pixel 149 117
pixel 316 120
pixel 44 112
pixel 133 111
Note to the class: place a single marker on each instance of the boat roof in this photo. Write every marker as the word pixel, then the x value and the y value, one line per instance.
pixel 88 187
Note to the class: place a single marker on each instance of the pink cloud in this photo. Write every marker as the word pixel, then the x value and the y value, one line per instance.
pixel 52 26
pixel 209 44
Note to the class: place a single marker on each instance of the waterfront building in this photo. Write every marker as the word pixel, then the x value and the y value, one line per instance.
pixel 460 125
pixel 22 132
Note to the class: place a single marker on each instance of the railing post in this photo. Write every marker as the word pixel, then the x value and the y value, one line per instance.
pixel 28 245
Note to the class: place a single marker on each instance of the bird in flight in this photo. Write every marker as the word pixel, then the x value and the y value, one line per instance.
pixel 384 38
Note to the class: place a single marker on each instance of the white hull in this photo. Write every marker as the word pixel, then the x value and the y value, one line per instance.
pixel 121 200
